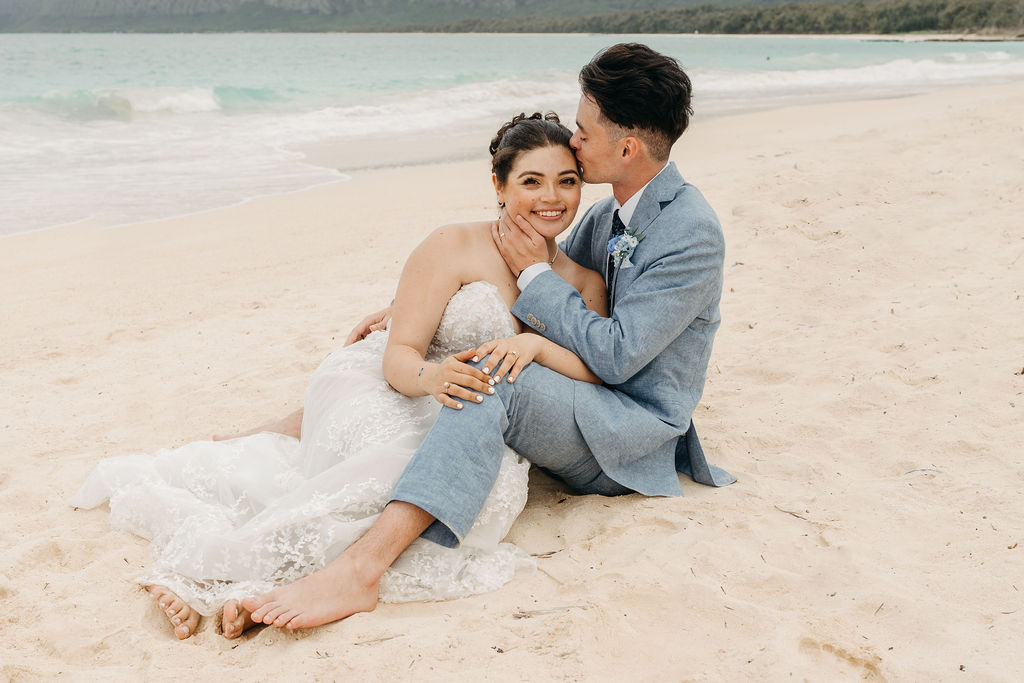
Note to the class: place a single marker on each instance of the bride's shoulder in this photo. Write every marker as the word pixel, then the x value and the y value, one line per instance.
pixel 455 240
pixel 458 246
pixel 465 234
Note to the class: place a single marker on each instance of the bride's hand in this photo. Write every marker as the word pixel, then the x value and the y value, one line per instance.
pixel 511 354
pixel 453 379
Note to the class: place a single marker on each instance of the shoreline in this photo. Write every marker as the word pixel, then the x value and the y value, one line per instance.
pixel 350 157
pixel 187 149
pixel 865 387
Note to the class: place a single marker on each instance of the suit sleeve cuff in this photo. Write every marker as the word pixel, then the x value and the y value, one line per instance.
pixel 530 272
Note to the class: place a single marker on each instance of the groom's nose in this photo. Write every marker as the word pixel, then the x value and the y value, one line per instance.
pixel 574 141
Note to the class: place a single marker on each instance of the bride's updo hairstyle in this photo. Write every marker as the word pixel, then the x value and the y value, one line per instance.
pixel 522 134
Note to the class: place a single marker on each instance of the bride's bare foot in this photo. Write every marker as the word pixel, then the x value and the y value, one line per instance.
pixel 289 426
pixel 236 620
pixel 339 590
pixel 351 582
pixel 183 618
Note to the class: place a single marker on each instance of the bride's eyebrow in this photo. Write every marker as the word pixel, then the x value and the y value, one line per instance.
pixel 568 171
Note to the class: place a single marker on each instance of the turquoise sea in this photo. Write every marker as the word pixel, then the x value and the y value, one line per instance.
pixel 122 128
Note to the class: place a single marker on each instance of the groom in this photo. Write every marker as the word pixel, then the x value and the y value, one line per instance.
pixel 631 434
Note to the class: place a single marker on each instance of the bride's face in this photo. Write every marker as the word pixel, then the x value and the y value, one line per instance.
pixel 544 188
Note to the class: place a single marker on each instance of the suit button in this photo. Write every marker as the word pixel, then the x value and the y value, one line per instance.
pixel 536 323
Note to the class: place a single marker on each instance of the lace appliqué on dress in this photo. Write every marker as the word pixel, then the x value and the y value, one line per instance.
pixel 232 519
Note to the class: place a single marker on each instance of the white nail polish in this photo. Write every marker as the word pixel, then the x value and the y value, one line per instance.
pixel 491 381
pixel 479 399
pixel 487 369
pixel 475 358
pixel 510 379
pixel 459 406
pixel 490 390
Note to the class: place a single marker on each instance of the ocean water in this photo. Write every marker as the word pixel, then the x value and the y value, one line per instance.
pixel 123 128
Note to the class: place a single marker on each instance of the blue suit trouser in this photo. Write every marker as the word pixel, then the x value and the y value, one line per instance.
pixel 454 469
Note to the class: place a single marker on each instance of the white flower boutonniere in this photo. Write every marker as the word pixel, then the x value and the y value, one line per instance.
pixel 621 247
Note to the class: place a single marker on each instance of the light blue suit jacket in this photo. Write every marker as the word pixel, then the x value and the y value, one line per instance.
pixel 653 350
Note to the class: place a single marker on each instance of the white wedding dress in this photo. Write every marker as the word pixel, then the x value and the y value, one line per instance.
pixel 236 518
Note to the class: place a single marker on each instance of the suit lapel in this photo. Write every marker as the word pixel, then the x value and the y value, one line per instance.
pixel 658 194
pixel 656 197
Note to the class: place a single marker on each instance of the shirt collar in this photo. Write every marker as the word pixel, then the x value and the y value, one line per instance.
pixel 627 208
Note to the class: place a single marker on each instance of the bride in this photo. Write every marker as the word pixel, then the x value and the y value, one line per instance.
pixel 234 518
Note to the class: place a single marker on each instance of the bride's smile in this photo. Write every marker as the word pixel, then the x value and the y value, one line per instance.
pixel 545 185
pixel 550 214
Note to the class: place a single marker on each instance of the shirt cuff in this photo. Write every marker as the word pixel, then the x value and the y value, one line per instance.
pixel 530 272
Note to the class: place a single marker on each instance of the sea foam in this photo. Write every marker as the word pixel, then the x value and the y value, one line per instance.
pixel 127 128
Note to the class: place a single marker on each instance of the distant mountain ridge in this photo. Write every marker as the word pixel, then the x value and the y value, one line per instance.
pixel 309 14
pixel 116 8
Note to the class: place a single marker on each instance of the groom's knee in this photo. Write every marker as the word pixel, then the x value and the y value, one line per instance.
pixel 491 406
pixel 535 383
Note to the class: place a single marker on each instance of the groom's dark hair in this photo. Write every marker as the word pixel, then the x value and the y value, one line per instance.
pixel 642 92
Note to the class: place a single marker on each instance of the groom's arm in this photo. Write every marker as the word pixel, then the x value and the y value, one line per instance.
pixel 371 323
pixel 673 290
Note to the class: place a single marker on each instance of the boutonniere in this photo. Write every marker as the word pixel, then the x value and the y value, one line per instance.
pixel 621 247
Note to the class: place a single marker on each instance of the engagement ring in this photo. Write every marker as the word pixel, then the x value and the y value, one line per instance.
pixel 446 385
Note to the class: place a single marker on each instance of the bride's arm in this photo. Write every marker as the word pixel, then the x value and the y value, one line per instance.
pixel 429 279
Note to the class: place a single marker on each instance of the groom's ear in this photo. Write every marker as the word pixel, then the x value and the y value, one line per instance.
pixel 630 147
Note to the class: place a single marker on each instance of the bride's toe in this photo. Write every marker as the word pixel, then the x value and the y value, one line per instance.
pixel 235 620
pixel 183 618
pixel 178 612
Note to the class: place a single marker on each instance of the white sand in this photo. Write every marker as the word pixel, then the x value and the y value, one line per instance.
pixel 866 388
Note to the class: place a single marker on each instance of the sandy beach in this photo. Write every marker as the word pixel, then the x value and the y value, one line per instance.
pixel 866 386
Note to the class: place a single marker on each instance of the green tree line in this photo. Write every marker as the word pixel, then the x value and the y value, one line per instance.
pixel 882 16
pixel 526 16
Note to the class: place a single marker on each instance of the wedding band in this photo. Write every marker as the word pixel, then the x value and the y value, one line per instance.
pixel 446 385
pixel 514 353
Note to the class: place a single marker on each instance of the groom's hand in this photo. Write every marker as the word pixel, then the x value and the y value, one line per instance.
pixel 518 242
pixel 371 323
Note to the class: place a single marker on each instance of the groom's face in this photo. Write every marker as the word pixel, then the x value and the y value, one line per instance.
pixel 596 151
